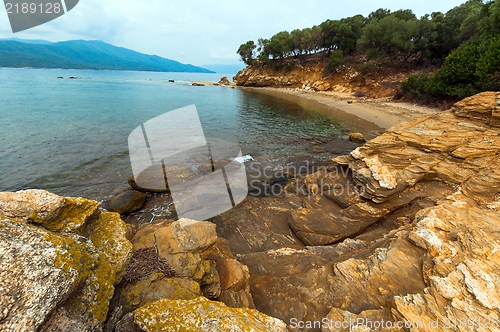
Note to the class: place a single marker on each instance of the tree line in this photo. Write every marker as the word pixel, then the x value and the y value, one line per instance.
pixel 465 40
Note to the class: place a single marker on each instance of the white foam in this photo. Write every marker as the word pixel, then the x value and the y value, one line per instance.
pixel 244 159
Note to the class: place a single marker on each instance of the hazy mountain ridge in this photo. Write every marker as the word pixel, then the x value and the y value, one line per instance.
pixel 81 54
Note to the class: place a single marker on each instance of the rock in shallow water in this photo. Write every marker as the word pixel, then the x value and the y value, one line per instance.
pixel 127 202
pixel 357 138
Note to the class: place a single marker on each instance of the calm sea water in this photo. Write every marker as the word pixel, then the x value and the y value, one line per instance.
pixel 70 135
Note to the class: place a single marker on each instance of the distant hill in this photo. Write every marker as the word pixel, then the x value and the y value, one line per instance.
pixel 82 54
pixel 29 41
pixel 225 69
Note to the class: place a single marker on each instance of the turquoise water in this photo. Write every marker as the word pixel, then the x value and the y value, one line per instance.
pixel 70 135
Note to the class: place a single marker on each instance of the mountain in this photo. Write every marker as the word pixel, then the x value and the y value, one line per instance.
pixel 28 41
pixel 84 54
pixel 225 69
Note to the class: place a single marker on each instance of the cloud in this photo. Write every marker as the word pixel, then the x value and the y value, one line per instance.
pixel 201 32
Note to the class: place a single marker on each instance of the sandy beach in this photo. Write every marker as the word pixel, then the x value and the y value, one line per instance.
pixel 383 113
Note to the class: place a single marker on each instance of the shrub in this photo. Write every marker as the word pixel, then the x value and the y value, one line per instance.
pixel 488 66
pixel 367 67
pixel 457 77
pixel 416 85
pixel 336 59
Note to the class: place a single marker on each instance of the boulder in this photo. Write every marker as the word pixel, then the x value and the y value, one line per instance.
pixel 224 81
pixel 155 287
pixel 460 239
pixel 186 249
pixel 232 274
pixel 127 202
pixel 357 138
pixel 153 179
pixel 56 213
pixel 62 279
pixel 316 149
pixel 202 315
pixel 185 235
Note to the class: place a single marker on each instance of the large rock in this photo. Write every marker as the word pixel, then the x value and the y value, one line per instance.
pixel 181 260
pixel 357 138
pixel 56 213
pixel 202 315
pixel 410 161
pixel 224 81
pixel 257 224
pixel 463 287
pixel 185 235
pixel 58 281
pixel 155 287
pixel 403 229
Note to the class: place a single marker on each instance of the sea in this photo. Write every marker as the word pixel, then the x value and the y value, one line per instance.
pixel 69 135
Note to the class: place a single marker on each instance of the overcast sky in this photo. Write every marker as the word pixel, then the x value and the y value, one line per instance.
pixel 201 32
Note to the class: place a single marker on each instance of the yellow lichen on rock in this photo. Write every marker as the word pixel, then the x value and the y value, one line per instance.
pixel 39 270
pixel 202 315
pixel 73 254
pixel 112 252
pixel 74 214
pixel 156 287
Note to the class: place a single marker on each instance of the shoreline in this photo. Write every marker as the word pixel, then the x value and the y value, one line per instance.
pixel 383 113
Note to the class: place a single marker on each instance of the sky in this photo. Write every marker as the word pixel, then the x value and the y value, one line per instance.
pixel 201 32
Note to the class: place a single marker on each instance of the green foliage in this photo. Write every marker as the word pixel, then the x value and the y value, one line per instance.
pixel 488 66
pixel 490 20
pixel 466 39
pixel 416 85
pixel 336 59
pixel 390 35
pixel 280 45
pixel 425 38
pixel 377 15
pixel 367 67
pixel 342 34
pixel 457 78
pixel 453 28
pixel 246 52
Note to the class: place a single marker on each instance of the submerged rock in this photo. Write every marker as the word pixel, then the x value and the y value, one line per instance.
pixel 127 202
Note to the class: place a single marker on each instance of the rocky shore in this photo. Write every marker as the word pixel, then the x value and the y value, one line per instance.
pixel 400 234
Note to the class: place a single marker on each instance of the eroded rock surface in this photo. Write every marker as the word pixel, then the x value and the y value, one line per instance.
pixel 404 228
